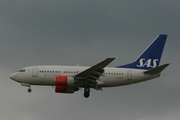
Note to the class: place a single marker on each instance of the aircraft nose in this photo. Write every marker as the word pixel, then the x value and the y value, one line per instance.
pixel 13 76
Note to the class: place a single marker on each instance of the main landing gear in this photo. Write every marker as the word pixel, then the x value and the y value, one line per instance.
pixel 86 91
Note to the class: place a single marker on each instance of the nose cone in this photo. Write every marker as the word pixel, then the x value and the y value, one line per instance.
pixel 14 76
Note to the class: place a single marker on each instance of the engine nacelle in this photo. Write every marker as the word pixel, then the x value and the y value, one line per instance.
pixel 64 81
pixel 64 84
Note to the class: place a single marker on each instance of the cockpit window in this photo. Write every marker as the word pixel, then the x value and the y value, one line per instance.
pixel 22 70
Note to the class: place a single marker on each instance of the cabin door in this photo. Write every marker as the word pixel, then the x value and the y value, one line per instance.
pixel 129 75
pixel 34 71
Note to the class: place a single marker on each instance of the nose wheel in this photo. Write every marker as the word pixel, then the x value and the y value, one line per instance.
pixel 27 85
pixel 29 90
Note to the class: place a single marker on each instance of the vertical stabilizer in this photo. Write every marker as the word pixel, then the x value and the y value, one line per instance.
pixel 151 57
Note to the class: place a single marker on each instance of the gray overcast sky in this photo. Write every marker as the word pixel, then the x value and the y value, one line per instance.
pixel 71 32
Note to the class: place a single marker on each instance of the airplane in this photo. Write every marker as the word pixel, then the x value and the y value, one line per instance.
pixel 69 79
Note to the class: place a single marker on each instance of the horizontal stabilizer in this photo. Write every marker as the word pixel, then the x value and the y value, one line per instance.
pixel 156 70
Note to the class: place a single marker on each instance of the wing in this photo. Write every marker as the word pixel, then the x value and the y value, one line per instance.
pixel 92 74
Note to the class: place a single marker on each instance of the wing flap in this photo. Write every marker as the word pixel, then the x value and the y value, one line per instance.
pixel 157 70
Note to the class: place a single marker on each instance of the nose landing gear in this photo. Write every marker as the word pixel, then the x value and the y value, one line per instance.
pixel 27 85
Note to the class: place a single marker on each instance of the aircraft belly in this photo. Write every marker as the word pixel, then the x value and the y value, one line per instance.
pixel 115 81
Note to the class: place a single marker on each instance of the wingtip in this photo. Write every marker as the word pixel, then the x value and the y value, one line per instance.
pixel 167 64
pixel 111 58
pixel 163 34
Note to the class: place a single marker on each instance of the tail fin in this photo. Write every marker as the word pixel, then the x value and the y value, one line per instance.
pixel 151 57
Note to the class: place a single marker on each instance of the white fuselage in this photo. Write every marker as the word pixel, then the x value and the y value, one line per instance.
pixel 46 75
pixel 68 79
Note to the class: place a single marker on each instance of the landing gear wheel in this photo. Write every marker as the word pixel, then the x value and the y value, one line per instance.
pixel 86 94
pixel 29 90
pixel 86 89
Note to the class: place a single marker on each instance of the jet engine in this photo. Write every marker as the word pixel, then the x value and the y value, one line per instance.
pixel 64 84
